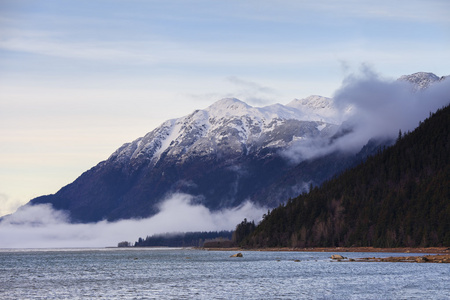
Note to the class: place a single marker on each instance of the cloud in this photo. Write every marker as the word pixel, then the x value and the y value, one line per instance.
pixel 416 10
pixel 252 92
pixel 307 148
pixel 37 216
pixel 235 87
pixel 7 204
pixel 374 107
pixel 381 107
pixel 251 85
pixel 40 226
pixel 45 44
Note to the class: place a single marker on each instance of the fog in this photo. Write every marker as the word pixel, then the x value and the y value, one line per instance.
pixel 40 226
pixel 374 107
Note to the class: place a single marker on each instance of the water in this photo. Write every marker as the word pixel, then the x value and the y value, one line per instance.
pixel 195 274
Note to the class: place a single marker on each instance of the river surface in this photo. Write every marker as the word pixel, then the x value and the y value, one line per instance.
pixel 194 274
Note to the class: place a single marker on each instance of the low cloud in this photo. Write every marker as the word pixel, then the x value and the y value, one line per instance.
pixel 8 205
pixel 374 108
pixel 381 107
pixel 40 226
pixel 307 148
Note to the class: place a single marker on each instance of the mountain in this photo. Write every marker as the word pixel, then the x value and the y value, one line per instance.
pixel 399 197
pixel 223 155
pixel 421 80
pixel 317 108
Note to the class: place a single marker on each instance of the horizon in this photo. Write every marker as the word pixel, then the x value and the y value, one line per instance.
pixel 76 82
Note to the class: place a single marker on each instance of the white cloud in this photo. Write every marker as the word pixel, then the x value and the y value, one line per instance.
pixel 379 109
pixel 40 226
pixel 94 51
pixel 409 10
pixel 8 205
pixel 382 107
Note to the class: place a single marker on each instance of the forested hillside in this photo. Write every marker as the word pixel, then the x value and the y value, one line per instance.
pixel 398 197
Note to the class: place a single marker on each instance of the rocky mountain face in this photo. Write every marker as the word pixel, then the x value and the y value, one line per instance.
pixel 421 80
pixel 223 155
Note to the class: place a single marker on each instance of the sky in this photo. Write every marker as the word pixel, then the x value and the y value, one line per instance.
pixel 80 78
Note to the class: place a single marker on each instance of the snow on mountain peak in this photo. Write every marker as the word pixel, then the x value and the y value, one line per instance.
pixel 228 107
pixel 316 107
pixel 235 108
pixel 228 126
pixel 231 126
pixel 420 80
pixel 229 103
pixel 313 102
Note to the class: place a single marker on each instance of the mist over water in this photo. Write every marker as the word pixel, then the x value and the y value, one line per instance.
pixel 40 226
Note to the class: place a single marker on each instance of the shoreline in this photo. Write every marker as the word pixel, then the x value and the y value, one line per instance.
pixel 420 250
pixel 434 258
pixel 429 254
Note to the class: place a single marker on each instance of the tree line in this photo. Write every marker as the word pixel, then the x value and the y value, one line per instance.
pixel 185 239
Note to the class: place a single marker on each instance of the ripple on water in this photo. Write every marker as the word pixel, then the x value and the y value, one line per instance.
pixel 159 274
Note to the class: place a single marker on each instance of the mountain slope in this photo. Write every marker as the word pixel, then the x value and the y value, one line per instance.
pixel 399 197
pixel 222 155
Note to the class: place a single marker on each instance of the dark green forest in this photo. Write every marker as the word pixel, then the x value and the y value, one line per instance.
pixel 185 239
pixel 399 197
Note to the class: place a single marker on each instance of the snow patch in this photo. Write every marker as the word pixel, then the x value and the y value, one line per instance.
pixel 321 127
pixel 165 143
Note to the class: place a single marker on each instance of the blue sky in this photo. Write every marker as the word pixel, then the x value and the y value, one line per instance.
pixel 80 78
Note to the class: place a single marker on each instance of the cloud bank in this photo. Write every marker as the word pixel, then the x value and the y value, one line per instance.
pixel 382 107
pixel 374 108
pixel 40 226
pixel 7 204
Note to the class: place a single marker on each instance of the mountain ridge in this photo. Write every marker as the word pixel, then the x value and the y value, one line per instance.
pixel 421 80
pixel 223 155
pixel 229 136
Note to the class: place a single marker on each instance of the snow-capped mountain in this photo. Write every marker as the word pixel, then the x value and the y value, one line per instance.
pixel 421 80
pixel 315 108
pixel 229 127
pixel 223 155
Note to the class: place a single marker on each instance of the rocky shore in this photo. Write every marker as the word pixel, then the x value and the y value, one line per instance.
pixel 428 250
pixel 418 259
pixel 440 254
